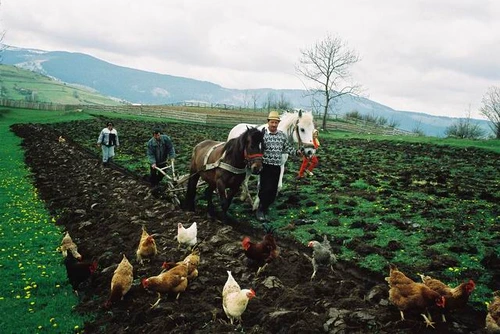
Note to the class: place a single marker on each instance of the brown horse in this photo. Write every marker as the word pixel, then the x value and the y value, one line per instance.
pixel 224 166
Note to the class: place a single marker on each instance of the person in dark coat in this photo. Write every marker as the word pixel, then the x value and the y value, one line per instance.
pixel 159 150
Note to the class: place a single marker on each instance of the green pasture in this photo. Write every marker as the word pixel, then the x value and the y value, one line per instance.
pixel 492 144
pixel 35 296
pixel 20 84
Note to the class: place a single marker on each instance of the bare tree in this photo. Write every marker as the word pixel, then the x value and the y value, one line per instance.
pixel 270 101
pixel 327 65
pixel 465 128
pixel 254 97
pixel 283 103
pixel 491 109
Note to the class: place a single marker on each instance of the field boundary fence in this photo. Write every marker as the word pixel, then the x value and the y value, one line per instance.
pixel 201 113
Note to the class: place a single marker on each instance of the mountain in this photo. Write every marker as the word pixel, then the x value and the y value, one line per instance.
pixel 20 84
pixel 137 86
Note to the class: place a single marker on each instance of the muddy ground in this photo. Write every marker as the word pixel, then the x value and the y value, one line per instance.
pixel 104 208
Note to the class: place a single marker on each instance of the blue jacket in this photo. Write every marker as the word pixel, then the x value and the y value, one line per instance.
pixel 159 151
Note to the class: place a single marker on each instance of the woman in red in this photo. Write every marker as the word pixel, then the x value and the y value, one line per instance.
pixel 308 163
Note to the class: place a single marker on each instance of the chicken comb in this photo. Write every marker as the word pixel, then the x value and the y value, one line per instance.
pixel 245 241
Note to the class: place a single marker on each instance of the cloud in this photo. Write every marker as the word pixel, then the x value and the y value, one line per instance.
pixel 418 55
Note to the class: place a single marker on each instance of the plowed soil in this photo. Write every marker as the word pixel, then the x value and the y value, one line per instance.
pixel 104 209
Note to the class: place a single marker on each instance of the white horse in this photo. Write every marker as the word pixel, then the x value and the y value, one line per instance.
pixel 298 126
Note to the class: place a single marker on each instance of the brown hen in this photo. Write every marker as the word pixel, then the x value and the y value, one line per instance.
pixel 407 295
pixel 493 316
pixel 456 297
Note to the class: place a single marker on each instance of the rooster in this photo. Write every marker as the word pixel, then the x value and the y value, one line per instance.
pixel 186 236
pixel 174 280
pixel 493 316
pixel 261 253
pixel 78 271
pixel 234 299
pixel 147 246
pixel 322 255
pixel 408 295
pixel 67 244
pixel 456 298
pixel 121 281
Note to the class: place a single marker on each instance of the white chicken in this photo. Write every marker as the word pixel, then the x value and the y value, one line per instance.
pixel 234 299
pixel 187 236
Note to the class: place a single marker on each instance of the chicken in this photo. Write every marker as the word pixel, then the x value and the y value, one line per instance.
pixel 193 259
pixel 186 236
pixel 493 316
pixel 407 295
pixel 61 140
pixel 78 271
pixel 121 281
pixel 174 280
pixel 261 253
pixel 456 298
pixel 67 244
pixel 147 246
pixel 322 255
pixel 234 299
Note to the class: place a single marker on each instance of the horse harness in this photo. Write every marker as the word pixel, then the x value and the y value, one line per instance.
pixel 221 164
pixel 295 129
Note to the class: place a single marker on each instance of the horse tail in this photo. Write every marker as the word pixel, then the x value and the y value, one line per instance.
pixel 194 176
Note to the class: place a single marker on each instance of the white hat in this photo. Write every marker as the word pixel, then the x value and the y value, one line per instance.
pixel 273 115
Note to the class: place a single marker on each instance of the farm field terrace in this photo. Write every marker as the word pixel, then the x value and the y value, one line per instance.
pixel 429 209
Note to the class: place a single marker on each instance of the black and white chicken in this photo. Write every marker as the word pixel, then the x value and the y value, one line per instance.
pixel 322 255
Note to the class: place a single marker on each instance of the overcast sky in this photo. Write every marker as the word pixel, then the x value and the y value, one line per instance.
pixel 432 56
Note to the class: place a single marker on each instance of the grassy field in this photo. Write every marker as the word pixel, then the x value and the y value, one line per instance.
pixel 19 84
pixel 37 286
pixel 34 296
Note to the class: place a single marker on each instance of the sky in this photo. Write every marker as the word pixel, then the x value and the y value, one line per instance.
pixel 433 56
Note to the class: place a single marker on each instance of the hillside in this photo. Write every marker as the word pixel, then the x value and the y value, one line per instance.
pixel 144 87
pixel 21 84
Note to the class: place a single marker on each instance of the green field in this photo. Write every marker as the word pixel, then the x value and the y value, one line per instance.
pixel 37 298
pixel 20 84
pixel 34 296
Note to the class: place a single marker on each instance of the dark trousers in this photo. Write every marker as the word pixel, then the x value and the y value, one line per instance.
pixel 268 189
pixel 155 176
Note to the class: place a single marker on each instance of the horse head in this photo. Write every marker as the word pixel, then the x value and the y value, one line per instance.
pixel 300 127
pixel 253 143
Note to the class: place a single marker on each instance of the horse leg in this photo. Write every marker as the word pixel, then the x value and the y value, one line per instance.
pixel 210 205
pixel 226 198
pixel 191 192
pixel 245 193
pixel 284 158
pixel 280 182
pixel 256 202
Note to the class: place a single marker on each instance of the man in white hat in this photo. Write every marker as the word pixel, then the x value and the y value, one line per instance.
pixel 276 144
